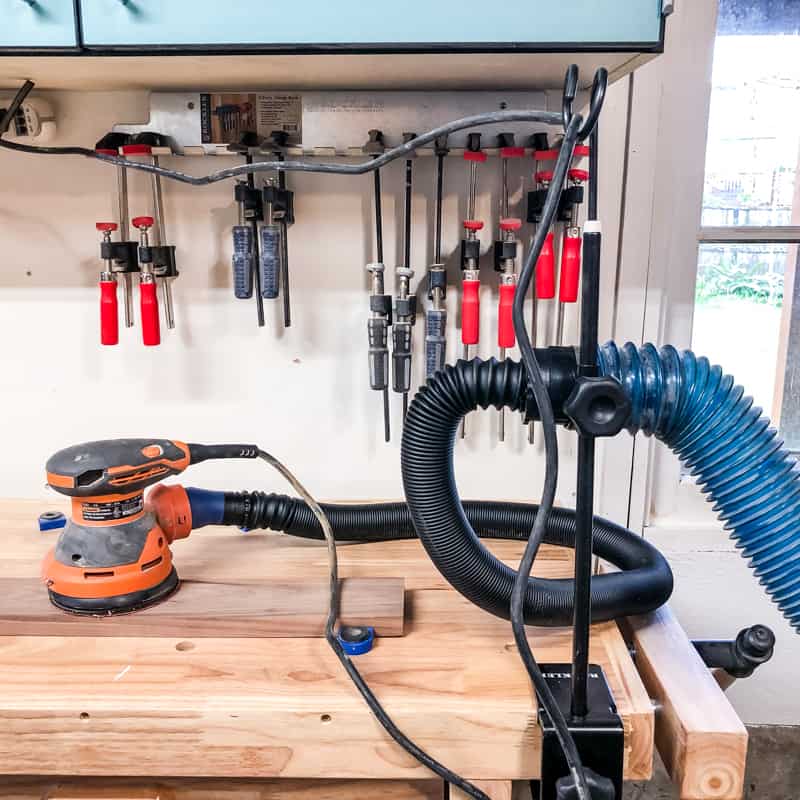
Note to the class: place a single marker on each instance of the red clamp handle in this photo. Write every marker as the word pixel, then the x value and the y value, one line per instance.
pixel 136 150
pixel 475 155
pixel 473 225
pixel 570 269
pixel 512 152
pixel 545 176
pixel 470 312
pixel 510 224
pixel 580 151
pixel 109 313
pixel 142 222
pixel 545 155
pixel 105 226
pixel 578 175
pixel 546 271
pixel 505 316
pixel 148 302
pixel 102 151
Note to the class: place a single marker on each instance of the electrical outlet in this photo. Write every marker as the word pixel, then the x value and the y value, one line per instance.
pixel 34 123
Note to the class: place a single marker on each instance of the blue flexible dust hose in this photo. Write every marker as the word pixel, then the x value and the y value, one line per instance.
pixel 729 447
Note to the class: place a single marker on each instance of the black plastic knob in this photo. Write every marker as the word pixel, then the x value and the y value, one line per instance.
pixel 598 406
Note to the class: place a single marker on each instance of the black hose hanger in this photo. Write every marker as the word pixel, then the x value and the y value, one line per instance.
pixel 596 100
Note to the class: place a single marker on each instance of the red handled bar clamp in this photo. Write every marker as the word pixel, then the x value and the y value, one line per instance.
pixel 546 270
pixel 148 299
pixel 506 337
pixel 109 309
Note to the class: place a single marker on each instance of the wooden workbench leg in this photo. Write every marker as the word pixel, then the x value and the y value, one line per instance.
pixel 497 790
pixel 702 741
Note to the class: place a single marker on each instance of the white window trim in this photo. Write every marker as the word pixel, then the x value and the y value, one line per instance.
pixel 669 120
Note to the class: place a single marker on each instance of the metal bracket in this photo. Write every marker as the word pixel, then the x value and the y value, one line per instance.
pixel 741 656
pixel 599 736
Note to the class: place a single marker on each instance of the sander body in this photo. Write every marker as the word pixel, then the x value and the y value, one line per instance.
pixel 114 554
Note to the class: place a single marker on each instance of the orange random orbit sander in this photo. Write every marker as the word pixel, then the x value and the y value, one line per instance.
pixel 114 556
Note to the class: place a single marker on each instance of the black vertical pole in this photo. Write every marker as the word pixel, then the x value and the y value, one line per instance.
pixel 584 512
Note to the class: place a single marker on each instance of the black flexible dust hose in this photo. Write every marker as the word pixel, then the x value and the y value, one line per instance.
pixel 449 537
pixel 644 583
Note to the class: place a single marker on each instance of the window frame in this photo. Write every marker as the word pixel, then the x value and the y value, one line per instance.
pixel 681 79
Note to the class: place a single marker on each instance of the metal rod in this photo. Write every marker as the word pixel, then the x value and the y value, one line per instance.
pixel 560 324
pixel 534 326
pixel 122 202
pixel 501 421
pixel 256 257
pixel 473 189
pixel 405 282
pixel 387 427
pixel 287 305
pixel 464 419
pixel 437 253
pixel 558 246
pixel 169 310
pixel 159 229
pixel 505 188
pixel 584 507
pixel 378 216
pixel 407 232
pixel 127 283
pixel 122 207
pixel 387 424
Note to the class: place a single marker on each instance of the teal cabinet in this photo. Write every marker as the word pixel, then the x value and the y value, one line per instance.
pixel 32 24
pixel 416 24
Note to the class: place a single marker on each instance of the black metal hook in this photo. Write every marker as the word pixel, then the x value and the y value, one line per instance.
pixel 598 96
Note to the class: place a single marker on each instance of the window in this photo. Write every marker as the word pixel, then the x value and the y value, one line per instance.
pixel 747 307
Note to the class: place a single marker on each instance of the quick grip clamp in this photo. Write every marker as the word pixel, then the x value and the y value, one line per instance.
pixel 122 255
pixel 250 199
pixel 161 258
pixel 437 281
pixel 506 248
pixel 282 201
pixel 381 304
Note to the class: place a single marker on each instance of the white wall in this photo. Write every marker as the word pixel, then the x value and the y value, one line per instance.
pixel 302 393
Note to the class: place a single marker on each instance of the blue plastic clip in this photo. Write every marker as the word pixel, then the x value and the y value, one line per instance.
pixel 356 640
pixel 51 520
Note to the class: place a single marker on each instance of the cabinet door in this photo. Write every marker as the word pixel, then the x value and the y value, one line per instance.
pixel 616 24
pixel 37 23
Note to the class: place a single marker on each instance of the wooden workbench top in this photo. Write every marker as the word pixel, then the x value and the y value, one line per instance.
pixel 283 707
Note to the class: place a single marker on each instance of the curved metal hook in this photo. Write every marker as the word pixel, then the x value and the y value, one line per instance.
pixel 570 90
pixel 598 96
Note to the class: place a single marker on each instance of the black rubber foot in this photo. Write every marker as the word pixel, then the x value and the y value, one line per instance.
pixel 119 604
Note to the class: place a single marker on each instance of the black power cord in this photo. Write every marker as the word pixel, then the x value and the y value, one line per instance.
pixel 362 168
pixel 542 397
pixel 16 104
pixel 355 676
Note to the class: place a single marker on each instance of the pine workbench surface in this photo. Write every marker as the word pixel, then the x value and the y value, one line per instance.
pixel 283 707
